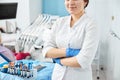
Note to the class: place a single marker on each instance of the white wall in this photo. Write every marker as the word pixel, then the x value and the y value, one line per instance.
pixel 8 1
pixel 98 9
pixel 107 15
pixel 23 14
pixel 35 9
pixel 113 56
pixel 28 11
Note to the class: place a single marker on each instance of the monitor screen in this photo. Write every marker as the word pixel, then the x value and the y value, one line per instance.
pixel 8 10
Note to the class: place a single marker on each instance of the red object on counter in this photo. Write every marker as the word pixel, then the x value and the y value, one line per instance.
pixel 21 55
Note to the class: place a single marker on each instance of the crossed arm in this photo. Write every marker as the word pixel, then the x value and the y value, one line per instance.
pixel 61 54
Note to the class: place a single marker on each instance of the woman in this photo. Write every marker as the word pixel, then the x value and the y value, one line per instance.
pixel 73 43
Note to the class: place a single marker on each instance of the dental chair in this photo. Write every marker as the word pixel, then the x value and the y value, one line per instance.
pixel 32 38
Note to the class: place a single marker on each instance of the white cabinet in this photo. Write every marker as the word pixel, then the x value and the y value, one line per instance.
pixel 112 65
pixel 113 55
pixel 113 58
pixel 116 61
pixel 107 16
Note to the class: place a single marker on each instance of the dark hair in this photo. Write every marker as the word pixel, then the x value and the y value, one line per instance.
pixel 87 3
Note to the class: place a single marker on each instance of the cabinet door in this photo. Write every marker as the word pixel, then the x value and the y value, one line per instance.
pixel 115 10
pixel 116 61
pixel 116 29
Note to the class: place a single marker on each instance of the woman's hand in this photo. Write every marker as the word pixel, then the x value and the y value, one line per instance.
pixel 70 52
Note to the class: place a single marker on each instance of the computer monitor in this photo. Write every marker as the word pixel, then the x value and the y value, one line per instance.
pixel 8 10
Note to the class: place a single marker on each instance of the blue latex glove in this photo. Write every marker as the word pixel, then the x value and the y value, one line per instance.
pixel 57 60
pixel 70 52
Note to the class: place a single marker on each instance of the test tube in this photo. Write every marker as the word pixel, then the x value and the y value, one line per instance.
pixel 28 74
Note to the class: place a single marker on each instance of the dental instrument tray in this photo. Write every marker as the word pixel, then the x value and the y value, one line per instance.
pixel 39 67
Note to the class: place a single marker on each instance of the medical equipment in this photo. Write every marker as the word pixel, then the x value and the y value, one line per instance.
pixel 4 68
pixel 9 11
pixel 32 36
pixel 22 70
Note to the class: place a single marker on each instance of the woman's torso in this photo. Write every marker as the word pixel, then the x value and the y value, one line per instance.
pixel 73 38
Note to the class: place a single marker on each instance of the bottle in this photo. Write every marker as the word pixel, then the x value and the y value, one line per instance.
pixel 28 74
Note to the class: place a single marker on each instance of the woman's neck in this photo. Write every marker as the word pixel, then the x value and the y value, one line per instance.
pixel 75 18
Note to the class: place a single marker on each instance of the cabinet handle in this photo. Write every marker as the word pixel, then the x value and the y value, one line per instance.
pixel 115 35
